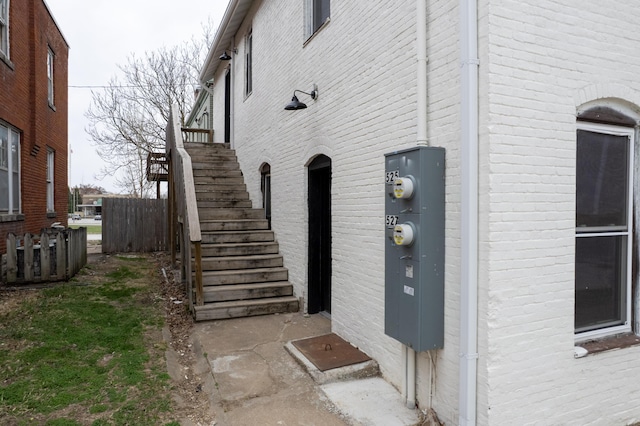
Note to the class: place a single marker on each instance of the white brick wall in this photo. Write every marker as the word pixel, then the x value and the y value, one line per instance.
pixel 542 61
pixel 538 62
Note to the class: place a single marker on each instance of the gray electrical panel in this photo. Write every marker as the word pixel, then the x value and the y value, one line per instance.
pixel 414 247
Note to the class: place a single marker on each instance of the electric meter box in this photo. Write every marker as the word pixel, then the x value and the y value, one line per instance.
pixel 414 247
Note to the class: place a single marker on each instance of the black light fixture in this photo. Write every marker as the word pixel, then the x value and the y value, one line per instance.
pixel 296 104
pixel 226 57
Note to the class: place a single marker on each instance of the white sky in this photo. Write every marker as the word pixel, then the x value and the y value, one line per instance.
pixel 101 35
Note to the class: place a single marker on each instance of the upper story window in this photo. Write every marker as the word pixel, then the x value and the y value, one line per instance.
pixel 317 12
pixel 9 170
pixel 604 229
pixel 50 57
pixel 248 64
pixel 4 28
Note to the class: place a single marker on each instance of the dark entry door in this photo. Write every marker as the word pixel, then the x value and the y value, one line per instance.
pixel 320 235
pixel 227 106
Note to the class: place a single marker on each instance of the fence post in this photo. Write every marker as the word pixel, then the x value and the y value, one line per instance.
pixel 12 259
pixel 45 258
pixel 28 257
pixel 61 256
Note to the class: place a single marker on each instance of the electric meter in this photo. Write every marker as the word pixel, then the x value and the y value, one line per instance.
pixel 404 234
pixel 403 187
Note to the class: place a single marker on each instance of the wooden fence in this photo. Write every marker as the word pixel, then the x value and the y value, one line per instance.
pixel 134 225
pixel 54 255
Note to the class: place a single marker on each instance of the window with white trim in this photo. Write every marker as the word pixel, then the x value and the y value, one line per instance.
pixel 604 229
pixel 9 170
pixel 50 58
pixel 50 174
pixel 4 28
pixel 317 12
pixel 248 63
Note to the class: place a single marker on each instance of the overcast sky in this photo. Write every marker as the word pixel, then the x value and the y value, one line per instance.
pixel 101 35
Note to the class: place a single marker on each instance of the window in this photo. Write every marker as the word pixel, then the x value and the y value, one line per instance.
pixel 9 170
pixel 317 13
pixel 50 57
pixel 248 64
pixel 604 202
pixel 50 173
pixel 4 28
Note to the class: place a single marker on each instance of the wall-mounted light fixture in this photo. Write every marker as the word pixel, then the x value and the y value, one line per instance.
pixel 226 57
pixel 296 104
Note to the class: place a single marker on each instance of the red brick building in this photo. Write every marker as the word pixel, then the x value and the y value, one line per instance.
pixel 33 119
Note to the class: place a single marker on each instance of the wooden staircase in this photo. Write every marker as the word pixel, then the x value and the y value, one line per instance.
pixel 243 272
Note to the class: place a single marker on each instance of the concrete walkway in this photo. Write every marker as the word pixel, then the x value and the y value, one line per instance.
pixel 256 381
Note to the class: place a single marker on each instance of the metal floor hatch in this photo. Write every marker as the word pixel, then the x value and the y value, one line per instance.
pixel 330 351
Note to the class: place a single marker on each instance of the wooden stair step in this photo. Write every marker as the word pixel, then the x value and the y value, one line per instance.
pixel 216 204
pixel 219 180
pixel 230 213
pixel 208 194
pixel 222 263
pixel 212 173
pixel 237 236
pixel 225 293
pixel 239 249
pixel 234 224
pixel 246 308
pixel 198 163
pixel 244 276
pixel 205 186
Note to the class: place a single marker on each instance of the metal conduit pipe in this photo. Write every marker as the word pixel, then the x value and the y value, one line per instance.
pixel 421 110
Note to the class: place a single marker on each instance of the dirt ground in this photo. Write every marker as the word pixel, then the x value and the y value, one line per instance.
pixel 191 403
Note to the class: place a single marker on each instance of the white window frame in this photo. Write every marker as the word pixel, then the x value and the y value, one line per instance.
pixel 310 27
pixel 4 28
pixel 51 207
pixel 13 169
pixel 248 63
pixel 50 76
pixel 628 232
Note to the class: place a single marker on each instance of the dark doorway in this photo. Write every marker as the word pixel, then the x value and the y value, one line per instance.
pixel 320 235
pixel 265 185
pixel 227 106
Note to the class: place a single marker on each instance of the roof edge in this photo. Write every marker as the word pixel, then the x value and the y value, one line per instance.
pixel 235 8
pixel 53 18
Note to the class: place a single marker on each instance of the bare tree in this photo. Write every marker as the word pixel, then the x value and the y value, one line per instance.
pixel 127 119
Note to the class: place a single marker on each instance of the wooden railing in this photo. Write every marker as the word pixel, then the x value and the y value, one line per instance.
pixel 54 255
pixel 197 135
pixel 184 223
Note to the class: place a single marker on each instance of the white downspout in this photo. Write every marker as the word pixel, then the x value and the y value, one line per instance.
pixel 421 110
pixel 469 210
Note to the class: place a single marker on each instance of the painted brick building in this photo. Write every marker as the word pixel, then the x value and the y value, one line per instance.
pixel 33 119
pixel 537 105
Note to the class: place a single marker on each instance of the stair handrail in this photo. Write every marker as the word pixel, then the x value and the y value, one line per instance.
pixel 184 222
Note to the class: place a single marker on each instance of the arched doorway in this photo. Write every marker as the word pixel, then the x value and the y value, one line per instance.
pixel 265 187
pixel 319 266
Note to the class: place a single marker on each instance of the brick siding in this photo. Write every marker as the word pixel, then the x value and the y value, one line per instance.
pixel 24 105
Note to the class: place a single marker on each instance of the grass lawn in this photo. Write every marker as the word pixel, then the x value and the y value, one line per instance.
pixel 87 353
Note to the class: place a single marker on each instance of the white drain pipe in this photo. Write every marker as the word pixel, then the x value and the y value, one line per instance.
pixel 469 210
pixel 421 110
